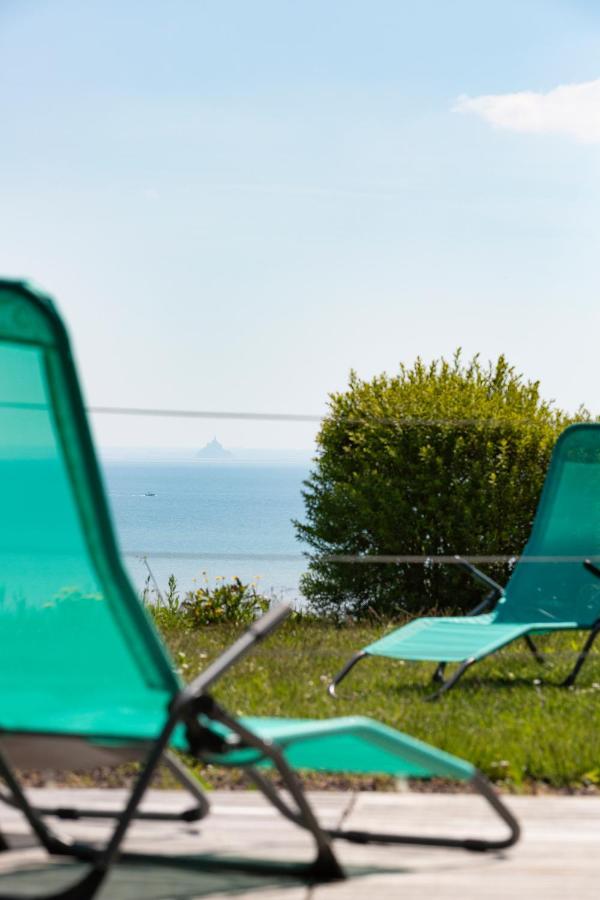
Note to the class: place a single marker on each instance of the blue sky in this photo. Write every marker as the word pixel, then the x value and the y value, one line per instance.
pixel 236 202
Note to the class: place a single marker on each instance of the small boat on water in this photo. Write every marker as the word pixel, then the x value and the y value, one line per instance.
pixel 149 494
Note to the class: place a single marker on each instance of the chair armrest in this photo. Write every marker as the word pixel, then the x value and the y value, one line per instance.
pixel 488 601
pixel 495 593
pixel 589 565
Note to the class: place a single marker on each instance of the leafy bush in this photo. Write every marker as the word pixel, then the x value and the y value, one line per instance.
pixel 229 602
pixel 440 459
pixel 233 602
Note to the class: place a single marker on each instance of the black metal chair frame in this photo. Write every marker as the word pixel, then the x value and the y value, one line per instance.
pixel 193 702
pixel 486 605
pixel 171 762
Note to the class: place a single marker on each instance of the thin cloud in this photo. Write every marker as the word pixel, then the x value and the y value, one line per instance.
pixel 569 109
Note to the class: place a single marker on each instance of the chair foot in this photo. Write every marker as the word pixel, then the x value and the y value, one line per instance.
pixel 438 675
pixel 344 671
pixel 326 867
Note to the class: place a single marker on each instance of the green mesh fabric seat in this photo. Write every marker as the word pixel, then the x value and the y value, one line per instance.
pixel 555 585
pixel 82 669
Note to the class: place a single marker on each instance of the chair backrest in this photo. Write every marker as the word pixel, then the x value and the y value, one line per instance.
pixel 73 633
pixel 549 583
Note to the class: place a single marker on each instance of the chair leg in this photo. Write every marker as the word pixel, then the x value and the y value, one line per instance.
pixel 170 761
pixel 570 679
pixel 274 796
pixel 438 675
pixel 101 860
pixel 51 842
pixel 344 671
pixel 191 785
pixel 481 785
pixel 325 866
pixel 449 683
pixel 87 886
pixel 478 845
pixel 538 656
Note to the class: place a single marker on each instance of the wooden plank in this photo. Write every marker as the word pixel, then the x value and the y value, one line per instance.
pixel 557 857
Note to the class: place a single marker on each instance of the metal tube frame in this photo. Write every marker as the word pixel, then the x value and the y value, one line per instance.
pixel 595 630
pixel 583 655
pixel 191 814
pixel 331 688
pixel 481 785
pixel 448 683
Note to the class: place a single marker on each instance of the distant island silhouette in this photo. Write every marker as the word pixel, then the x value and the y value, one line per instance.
pixel 213 450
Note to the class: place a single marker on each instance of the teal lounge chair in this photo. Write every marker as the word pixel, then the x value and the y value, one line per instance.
pixel 84 676
pixel 554 586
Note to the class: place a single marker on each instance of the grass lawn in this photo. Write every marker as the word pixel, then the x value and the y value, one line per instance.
pixel 506 715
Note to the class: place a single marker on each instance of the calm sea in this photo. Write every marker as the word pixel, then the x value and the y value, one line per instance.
pixel 221 518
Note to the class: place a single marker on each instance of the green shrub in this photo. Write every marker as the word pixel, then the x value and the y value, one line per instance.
pixel 440 459
pixel 231 602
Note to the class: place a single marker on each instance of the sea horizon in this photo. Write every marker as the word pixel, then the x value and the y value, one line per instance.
pixel 191 454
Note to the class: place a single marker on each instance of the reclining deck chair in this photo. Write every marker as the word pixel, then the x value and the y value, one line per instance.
pixel 554 586
pixel 83 673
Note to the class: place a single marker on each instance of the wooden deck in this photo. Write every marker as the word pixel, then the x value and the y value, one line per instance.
pixel 558 857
